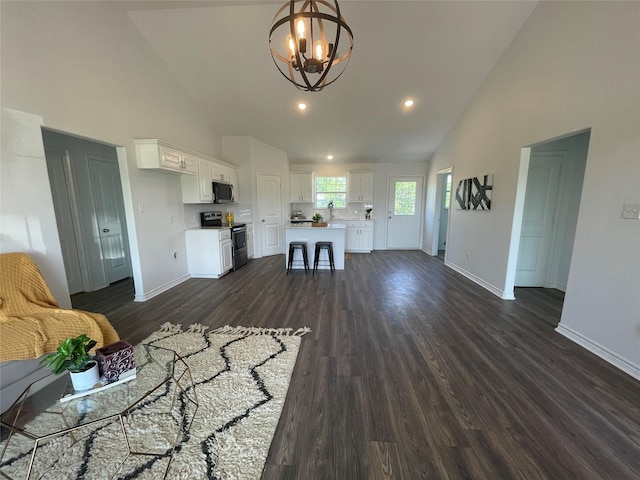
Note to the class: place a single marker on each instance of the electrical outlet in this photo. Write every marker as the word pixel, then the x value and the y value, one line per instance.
pixel 631 210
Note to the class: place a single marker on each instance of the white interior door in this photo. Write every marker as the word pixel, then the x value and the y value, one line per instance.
pixel 105 183
pixel 270 202
pixel 64 218
pixel 538 220
pixel 404 212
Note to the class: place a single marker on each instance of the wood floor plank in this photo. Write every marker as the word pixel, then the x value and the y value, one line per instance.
pixel 384 461
pixel 412 371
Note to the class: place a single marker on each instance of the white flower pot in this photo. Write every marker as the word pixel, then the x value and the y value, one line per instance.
pixel 87 379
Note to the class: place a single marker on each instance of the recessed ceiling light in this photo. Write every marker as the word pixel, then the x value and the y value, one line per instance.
pixel 408 103
pixel 302 106
pixel 329 157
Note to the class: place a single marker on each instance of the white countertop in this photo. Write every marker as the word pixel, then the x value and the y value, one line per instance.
pixel 302 225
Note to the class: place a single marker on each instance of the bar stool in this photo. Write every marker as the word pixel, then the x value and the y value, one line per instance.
pixel 328 246
pixel 293 246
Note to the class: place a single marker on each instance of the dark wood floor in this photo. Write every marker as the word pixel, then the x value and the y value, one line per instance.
pixel 413 372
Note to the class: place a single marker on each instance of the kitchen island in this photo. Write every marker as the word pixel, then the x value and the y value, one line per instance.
pixel 335 233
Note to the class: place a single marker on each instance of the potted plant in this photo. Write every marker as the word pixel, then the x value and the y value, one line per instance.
pixel 73 355
pixel 317 221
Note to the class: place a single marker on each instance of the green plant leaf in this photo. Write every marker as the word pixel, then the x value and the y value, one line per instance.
pixel 72 355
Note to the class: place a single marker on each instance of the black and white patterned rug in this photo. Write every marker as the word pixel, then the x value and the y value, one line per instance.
pixel 241 376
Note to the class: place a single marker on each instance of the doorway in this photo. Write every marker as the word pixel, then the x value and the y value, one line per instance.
pixel 404 212
pixel 443 200
pixel 547 205
pixel 89 207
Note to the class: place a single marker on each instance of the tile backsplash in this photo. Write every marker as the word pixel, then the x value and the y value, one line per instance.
pixel 192 213
pixel 353 211
pixel 244 215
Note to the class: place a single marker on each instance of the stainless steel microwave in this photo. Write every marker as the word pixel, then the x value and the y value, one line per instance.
pixel 222 192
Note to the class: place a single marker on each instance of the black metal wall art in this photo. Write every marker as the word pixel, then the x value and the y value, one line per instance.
pixel 474 193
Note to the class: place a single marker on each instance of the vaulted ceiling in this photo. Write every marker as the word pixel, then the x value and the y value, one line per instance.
pixel 436 52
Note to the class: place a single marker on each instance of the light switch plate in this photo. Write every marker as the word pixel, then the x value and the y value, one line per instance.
pixel 631 210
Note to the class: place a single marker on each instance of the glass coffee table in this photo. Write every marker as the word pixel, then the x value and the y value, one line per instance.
pixel 129 426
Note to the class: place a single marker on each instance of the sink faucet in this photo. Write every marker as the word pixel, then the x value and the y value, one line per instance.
pixel 330 206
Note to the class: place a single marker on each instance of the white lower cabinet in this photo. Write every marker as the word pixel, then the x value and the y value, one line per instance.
pixel 226 254
pixel 359 236
pixel 209 252
pixel 250 247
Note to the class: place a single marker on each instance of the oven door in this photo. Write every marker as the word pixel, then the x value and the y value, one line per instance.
pixel 239 236
pixel 239 240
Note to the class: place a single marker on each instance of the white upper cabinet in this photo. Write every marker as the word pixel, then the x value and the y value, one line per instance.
pixel 197 189
pixel 155 154
pixel 301 187
pixel 360 188
pixel 221 173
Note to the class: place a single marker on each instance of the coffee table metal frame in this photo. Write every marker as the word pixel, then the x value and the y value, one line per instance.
pixel 156 366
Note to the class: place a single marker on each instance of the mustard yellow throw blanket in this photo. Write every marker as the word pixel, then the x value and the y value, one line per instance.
pixel 31 321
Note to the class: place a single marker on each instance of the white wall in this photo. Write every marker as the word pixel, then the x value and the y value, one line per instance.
pixel 254 157
pixel 86 70
pixel 573 66
pixel 27 218
pixel 381 174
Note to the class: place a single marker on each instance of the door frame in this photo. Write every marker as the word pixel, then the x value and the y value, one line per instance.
pixel 435 241
pixel 518 212
pixel 72 192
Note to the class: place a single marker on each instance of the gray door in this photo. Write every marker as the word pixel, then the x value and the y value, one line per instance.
pixel 61 190
pixel 109 212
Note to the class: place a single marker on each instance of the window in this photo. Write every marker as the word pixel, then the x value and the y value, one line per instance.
pixel 331 189
pixel 405 198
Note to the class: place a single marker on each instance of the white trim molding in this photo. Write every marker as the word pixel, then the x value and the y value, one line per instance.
pixel 492 288
pixel 602 352
pixel 143 297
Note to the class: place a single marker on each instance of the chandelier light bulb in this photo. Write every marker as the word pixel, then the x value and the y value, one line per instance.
pixel 292 46
pixel 300 28
pixel 319 51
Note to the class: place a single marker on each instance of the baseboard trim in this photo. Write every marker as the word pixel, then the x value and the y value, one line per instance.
pixel 143 297
pixel 492 288
pixel 602 352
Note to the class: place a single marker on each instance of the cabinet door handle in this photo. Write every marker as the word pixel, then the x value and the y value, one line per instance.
pixel 105 230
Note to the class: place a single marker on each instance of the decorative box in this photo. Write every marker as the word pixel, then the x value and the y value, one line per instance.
pixel 117 361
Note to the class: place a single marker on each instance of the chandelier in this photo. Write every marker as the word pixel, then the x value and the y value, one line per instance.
pixel 306 47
